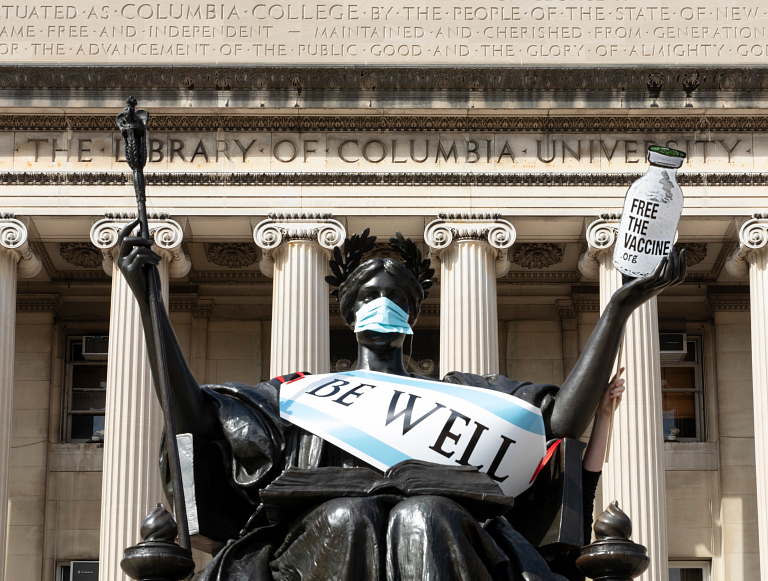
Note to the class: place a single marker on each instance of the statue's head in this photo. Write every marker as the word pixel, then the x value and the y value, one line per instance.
pixel 380 299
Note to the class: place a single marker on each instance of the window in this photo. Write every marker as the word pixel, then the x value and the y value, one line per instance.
pixel 688 571
pixel 681 396
pixel 85 395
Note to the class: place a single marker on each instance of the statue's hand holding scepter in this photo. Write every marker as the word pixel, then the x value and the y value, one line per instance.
pixel 133 126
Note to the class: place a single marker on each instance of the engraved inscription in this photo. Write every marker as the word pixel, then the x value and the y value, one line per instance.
pixel 379 151
pixel 526 32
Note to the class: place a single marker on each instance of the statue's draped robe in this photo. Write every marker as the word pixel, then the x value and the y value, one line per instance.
pixel 425 538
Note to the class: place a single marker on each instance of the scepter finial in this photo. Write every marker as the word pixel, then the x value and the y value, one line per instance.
pixel 132 123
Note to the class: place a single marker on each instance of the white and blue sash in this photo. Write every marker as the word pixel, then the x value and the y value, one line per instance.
pixel 384 419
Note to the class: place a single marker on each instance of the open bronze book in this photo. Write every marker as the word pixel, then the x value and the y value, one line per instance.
pixel 298 490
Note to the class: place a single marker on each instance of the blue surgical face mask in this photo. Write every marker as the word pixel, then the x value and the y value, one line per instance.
pixel 382 315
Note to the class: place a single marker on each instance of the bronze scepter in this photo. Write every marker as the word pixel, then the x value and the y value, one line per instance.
pixel 132 123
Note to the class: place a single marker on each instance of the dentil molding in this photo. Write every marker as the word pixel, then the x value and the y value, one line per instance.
pixel 362 179
pixel 649 80
pixel 412 123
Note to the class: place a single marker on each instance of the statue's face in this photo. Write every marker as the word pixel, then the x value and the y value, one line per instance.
pixel 382 285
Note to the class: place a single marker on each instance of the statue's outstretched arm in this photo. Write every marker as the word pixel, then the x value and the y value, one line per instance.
pixel 577 400
pixel 137 262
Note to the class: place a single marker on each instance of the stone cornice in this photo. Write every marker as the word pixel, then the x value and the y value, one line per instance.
pixel 377 123
pixel 246 179
pixel 652 81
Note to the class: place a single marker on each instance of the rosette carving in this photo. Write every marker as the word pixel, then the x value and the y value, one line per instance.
pixel 695 252
pixel 167 235
pixel 82 254
pixel 269 234
pixel 449 228
pixel 753 236
pixel 537 255
pixel 232 254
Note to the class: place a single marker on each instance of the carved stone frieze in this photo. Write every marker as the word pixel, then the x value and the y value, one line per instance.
pixel 82 254
pixel 377 123
pixel 537 255
pixel 358 78
pixel 231 254
pixel 250 179
pixel 695 252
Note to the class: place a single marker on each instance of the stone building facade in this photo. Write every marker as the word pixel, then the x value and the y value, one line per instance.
pixel 502 138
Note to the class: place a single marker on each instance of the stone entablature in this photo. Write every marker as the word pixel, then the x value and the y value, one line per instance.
pixel 428 150
pixel 351 33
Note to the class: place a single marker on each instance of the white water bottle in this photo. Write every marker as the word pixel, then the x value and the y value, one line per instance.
pixel 651 214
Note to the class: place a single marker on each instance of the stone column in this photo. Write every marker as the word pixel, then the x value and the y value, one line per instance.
pixel 131 485
pixel 16 259
pixel 295 254
pixel 472 250
pixel 751 257
pixel 634 474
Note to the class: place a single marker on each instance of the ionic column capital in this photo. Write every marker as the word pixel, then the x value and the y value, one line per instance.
pixel 278 229
pixel 14 238
pixel 753 235
pixel 490 228
pixel 601 236
pixel 166 234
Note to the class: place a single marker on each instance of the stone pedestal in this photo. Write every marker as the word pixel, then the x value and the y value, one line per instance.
pixel 751 256
pixel 131 484
pixel 472 250
pixel 634 474
pixel 295 254
pixel 16 259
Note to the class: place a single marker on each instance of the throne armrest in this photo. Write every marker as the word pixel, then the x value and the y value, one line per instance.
pixel 550 513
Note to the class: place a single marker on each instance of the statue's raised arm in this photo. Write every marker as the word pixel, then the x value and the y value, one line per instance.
pixel 137 262
pixel 577 400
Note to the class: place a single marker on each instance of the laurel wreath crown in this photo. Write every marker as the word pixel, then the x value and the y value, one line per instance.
pixel 348 257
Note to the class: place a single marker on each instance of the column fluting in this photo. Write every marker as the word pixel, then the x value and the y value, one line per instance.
pixel 131 484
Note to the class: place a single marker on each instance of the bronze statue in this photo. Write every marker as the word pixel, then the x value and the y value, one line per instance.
pixel 422 537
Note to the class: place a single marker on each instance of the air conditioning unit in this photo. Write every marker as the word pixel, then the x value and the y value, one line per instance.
pixel 95 349
pixel 673 347
pixel 84 571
